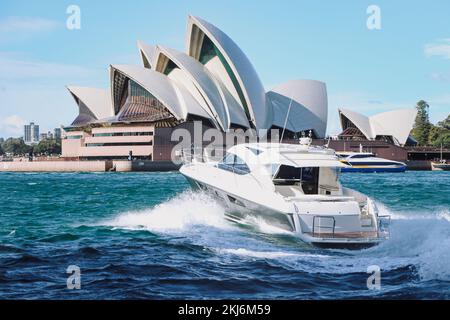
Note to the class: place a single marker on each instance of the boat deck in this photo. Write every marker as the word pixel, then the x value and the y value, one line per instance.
pixel 345 235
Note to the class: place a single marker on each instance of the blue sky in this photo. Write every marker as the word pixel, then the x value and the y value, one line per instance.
pixel 366 70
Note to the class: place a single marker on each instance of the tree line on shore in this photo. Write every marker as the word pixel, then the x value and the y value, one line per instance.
pixel 428 134
pixel 17 147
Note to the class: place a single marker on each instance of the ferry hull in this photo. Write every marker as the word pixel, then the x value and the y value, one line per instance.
pixel 374 169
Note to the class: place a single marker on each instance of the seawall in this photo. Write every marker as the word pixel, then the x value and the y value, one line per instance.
pixel 87 166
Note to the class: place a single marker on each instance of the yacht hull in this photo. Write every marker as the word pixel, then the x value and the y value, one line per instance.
pixel 243 211
pixel 239 210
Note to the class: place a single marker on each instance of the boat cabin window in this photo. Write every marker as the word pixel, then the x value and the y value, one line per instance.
pixel 307 178
pixel 233 163
pixel 362 156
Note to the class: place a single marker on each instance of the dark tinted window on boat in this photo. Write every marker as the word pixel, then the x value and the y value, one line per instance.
pixel 362 156
pixel 233 163
pixel 307 177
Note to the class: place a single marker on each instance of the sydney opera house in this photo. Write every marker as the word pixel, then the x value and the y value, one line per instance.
pixel 393 126
pixel 213 81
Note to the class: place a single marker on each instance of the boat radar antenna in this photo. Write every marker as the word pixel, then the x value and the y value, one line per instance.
pixel 285 121
pixel 306 140
pixel 328 142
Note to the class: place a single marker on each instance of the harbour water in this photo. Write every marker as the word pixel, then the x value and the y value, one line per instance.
pixel 147 236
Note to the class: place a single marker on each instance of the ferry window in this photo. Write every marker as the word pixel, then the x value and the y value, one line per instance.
pixel 361 156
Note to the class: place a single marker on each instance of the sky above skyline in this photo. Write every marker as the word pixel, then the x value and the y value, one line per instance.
pixel 368 71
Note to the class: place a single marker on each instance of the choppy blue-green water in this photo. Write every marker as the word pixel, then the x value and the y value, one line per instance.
pixel 146 236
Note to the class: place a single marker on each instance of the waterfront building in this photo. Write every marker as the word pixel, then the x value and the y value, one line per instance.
pixel 213 81
pixel 57 133
pixel 31 133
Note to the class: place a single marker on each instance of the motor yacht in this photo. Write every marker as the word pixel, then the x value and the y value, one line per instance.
pixel 291 186
pixel 441 165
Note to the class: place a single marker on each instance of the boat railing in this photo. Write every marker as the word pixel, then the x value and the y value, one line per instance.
pixel 320 226
pixel 327 230
pixel 383 229
pixel 199 154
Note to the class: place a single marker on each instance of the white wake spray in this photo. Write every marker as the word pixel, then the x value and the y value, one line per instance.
pixel 180 213
pixel 419 239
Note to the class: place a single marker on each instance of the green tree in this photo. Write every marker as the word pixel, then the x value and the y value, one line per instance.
pixel 48 147
pixel 443 139
pixel 1 150
pixel 15 146
pixel 440 134
pixel 422 125
pixel 445 123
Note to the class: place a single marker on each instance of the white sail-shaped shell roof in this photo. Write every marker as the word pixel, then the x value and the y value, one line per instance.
pixel 175 98
pixel 359 120
pixel 93 103
pixel 199 75
pixel 220 103
pixel 147 53
pixel 395 123
pixel 309 106
pixel 238 66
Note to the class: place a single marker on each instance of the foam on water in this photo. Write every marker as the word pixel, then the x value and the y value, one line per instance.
pixel 257 254
pixel 418 239
pixel 269 254
pixel 425 239
pixel 263 226
pixel 175 215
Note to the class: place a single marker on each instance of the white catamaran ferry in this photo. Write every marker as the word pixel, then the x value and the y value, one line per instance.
pixel 368 162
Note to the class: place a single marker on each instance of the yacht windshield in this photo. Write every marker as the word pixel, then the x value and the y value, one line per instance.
pixel 233 163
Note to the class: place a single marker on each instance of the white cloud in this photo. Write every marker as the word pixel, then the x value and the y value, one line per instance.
pixel 11 126
pixel 27 24
pixel 441 100
pixel 35 91
pixel 441 77
pixel 440 48
pixel 18 68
